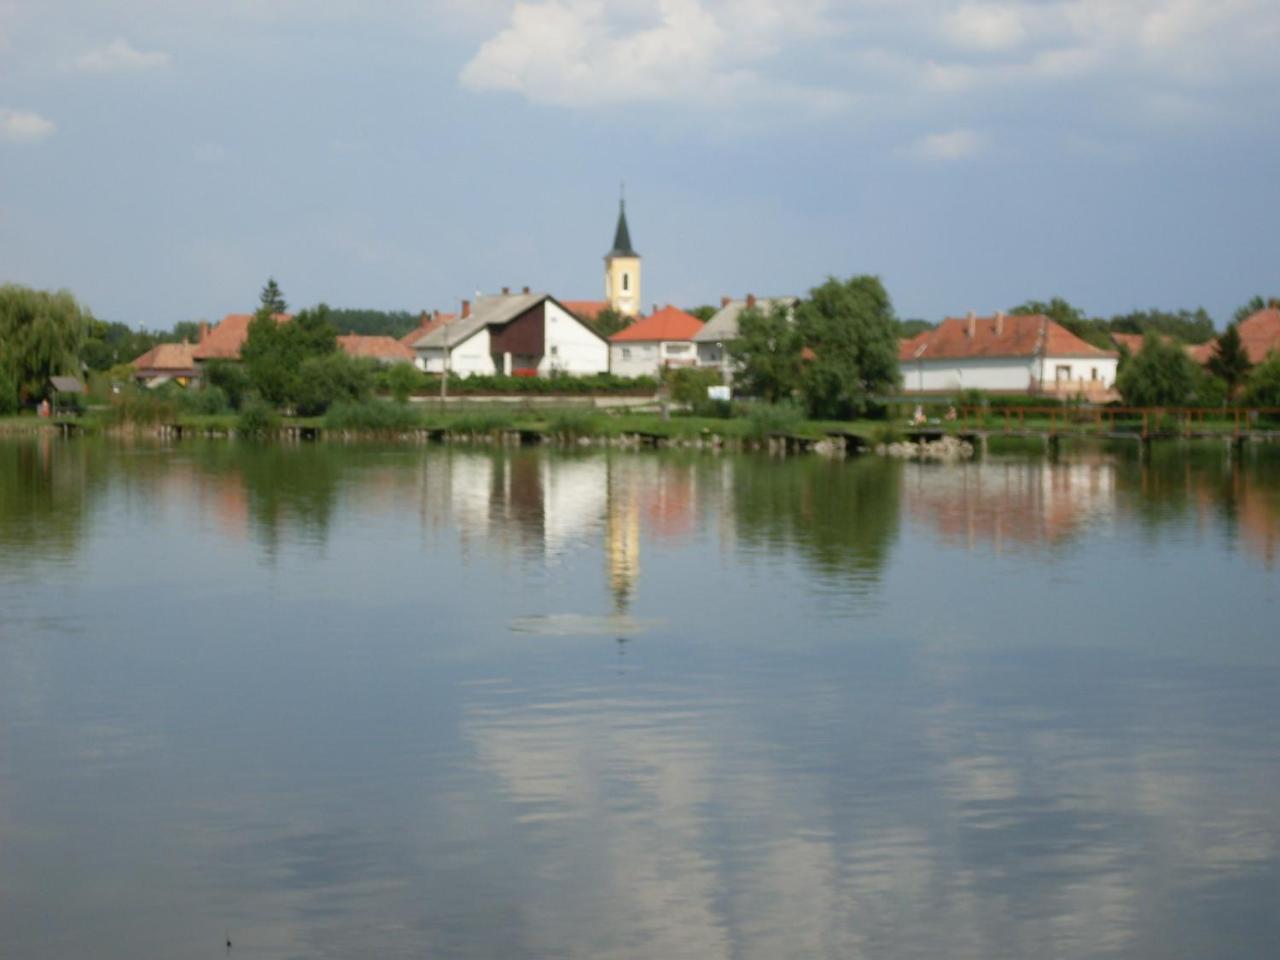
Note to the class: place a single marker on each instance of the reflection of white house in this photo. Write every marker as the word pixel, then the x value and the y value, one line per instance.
pixel 1006 354
pixel 664 339
pixel 524 334
pixel 712 340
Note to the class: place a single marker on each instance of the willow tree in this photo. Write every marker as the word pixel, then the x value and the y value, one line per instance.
pixel 41 334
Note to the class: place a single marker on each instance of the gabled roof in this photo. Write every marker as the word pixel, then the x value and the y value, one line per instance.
pixel 586 309
pixel 999 336
pixel 723 326
pixel 374 348
pixel 167 357
pixel 1259 333
pixel 669 323
pixel 66 385
pixel 225 340
pixel 429 323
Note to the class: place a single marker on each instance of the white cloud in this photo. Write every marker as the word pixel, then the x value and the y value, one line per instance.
pixel 592 52
pixel 947 146
pixel 22 127
pixel 986 26
pixel 120 56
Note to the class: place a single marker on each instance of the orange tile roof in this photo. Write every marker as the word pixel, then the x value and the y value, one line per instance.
pixel 669 323
pixel 1259 332
pixel 1130 341
pixel 225 340
pixel 585 309
pixel 998 336
pixel 429 323
pixel 175 357
pixel 374 348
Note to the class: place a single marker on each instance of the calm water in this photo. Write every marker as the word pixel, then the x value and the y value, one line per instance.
pixel 446 703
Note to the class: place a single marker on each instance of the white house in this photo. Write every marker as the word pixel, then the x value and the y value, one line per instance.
pixel 653 343
pixel 1006 354
pixel 722 329
pixel 522 334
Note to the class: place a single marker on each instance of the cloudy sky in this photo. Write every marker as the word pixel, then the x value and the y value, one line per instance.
pixel 161 158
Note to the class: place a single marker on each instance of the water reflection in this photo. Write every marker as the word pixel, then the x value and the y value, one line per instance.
pixel 348 751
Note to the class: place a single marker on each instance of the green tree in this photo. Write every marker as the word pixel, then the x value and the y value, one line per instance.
pixel 8 393
pixel 331 378
pixel 853 334
pixel 609 321
pixel 909 328
pixel 271 300
pixel 188 330
pixel 387 323
pixel 402 380
pixel 1229 360
pixel 1262 389
pixel 274 352
pixel 41 334
pixel 1159 375
pixel 704 312
pixel 768 352
pixel 231 378
pixel 1069 316
pixel 1189 326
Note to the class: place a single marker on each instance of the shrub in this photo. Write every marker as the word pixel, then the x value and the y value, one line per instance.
pixel 1262 388
pixel 574 423
pixel 766 419
pixel 257 418
pixel 1159 375
pixel 333 378
pixel 8 393
pixel 371 416
pixel 402 380
pixel 133 406
pixel 231 378
pixel 688 385
pixel 208 401
pixel 483 422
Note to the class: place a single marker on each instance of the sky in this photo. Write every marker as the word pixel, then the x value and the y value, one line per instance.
pixel 161 159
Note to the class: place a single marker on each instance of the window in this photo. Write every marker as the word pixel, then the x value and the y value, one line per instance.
pixel 626 353
pixel 555 351
pixel 626 282
pixel 1062 372
pixel 1093 374
pixel 678 348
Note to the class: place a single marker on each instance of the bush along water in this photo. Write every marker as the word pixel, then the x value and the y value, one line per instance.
pixel 257 419
pixel 371 416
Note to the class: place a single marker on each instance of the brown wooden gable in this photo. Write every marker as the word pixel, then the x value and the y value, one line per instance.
pixel 526 335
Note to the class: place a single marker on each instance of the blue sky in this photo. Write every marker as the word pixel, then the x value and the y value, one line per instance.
pixel 162 158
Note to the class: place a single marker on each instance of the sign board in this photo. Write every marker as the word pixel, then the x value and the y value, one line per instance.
pixel 718 393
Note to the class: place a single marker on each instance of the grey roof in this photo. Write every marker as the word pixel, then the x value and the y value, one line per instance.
pixel 487 311
pixel 66 385
pixel 622 236
pixel 724 325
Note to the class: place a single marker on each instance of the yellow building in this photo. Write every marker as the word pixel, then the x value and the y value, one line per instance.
pixel 622 270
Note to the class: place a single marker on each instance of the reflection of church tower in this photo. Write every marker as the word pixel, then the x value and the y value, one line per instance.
pixel 622 269
pixel 622 542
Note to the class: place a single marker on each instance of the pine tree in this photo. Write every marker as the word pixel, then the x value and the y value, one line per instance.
pixel 1229 361
pixel 271 300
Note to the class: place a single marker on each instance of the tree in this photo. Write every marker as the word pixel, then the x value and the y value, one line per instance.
pixel 271 300
pixel 609 321
pixel 1071 317
pixel 704 312
pixel 1159 375
pixel 1262 389
pixel 1189 326
pixel 387 323
pixel 274 352
pixel 41 335
pixel 330 378
pixel 768 353
pixel 1229 360
pixel 402 380
pixel 851 330
pixel 1253 305
pixel 910 328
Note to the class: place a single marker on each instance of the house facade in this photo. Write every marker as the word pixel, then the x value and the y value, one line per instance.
pixel 1006 354
pixel 654 343
pixel 523 334
pixel 712 341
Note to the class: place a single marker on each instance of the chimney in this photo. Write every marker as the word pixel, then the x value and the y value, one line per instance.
pixel 423 317
pixel 466 309
pixel 526 290
pixel 506 291
pixel 204 330
pixel 751 301
pixel 435 314
pixel 999 323
pixel 655 309
pixel 973 325
pixel 725 301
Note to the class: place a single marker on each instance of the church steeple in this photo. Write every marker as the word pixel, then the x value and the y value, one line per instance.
pixel 622 268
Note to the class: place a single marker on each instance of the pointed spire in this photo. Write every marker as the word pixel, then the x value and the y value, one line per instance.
pixel 622 236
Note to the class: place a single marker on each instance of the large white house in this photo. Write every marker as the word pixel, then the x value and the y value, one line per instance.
pixel 646 347
pixel 712 340
pixel 1006 354
pixel 522 334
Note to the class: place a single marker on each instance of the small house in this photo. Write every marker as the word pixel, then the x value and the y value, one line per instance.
pixel 653 343
pixel 166 363
pixel 712 341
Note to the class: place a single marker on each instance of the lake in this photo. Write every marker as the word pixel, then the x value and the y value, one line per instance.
pixel 447 702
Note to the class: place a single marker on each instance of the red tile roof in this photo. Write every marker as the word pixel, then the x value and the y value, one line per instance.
pixel 226 339
pixel 374 348
pixel 1259 332
pixel 999 336
pixel 669 323
pixel 585 309
pixel 167 358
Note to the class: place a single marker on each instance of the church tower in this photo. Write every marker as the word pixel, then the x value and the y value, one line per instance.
pixel 622 269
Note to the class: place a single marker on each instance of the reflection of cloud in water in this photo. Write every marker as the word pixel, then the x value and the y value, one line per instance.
pixel 583 625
